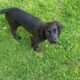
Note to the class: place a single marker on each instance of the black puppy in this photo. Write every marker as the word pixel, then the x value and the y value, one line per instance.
pixel 40 31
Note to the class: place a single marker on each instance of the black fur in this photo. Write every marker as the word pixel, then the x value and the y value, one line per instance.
pixel 40 30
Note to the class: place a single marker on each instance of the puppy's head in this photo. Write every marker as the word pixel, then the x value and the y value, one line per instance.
pixel 52 31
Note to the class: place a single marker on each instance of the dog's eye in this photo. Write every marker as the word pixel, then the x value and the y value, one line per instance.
pixel 49 32
pixel 54 30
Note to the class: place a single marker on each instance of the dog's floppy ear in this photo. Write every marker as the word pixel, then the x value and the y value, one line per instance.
pixel 42 31
pixel 59 26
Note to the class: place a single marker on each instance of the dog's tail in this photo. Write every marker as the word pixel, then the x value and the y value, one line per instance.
pixel 4 11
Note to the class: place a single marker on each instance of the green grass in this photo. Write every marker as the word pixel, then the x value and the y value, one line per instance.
pixel 18 61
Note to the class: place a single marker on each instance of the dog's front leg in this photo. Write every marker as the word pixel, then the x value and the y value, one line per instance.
pixel 35 43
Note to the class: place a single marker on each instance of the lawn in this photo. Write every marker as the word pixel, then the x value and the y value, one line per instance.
pixel 18 61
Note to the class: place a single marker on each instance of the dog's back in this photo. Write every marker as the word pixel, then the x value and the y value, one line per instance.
pixel 24 19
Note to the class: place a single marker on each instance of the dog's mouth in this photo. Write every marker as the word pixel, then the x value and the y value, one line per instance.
pixel 53 42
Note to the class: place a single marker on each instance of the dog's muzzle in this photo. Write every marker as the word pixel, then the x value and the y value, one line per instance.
pixel 54 41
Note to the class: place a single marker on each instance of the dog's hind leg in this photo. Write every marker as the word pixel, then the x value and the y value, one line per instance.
pixel 13 29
